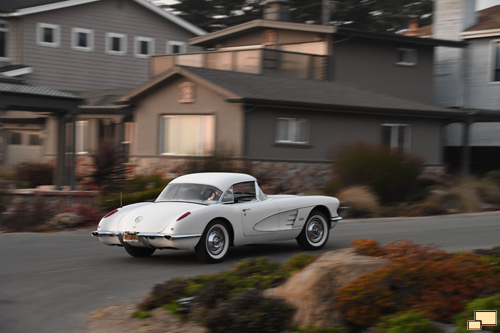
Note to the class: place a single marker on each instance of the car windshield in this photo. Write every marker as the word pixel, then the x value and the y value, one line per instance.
pixel 198 193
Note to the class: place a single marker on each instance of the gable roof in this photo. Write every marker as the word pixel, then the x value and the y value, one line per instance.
pixel 295 93
pixel 14 8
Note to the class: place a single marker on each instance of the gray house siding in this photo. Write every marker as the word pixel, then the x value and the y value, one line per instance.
pixel 377 69
pixel 328 131
pixel 65 68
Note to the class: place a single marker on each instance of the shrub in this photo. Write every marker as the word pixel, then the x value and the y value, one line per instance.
pixel 367 247
pixel 117 200
pixel 410 322
pixel 421 278
pixel 488 303
pixel 220 161
pixel 457 199
pixel 141 314
pixel 361 200
pixel 64 220
pixel 391 175
pixel 33 174
pixel 109 171
pixel 250 312
pixel 493 176
pixel 88 215
pixel 298 261
pixel 22 217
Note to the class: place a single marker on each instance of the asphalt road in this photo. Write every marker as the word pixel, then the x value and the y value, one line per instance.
pixel 52 282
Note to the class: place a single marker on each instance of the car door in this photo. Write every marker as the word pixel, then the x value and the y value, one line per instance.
pixel 259 217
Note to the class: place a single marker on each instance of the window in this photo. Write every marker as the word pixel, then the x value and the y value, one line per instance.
pixel 407 57
pixel 116 43
pixel 397 137
pixel 15 138
pixel 176 47
pixel 187 135
pixel 48 34
pixel 4 40
pixel 496 62
pixel 144 47
pixel 292 130
pixel 82 39
pixel 35 140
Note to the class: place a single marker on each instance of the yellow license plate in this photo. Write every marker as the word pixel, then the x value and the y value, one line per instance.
pixel 131 237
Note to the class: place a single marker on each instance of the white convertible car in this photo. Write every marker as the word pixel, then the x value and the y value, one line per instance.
pixel 209 212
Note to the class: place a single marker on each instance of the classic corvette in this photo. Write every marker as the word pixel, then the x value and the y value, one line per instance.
pixel 209 212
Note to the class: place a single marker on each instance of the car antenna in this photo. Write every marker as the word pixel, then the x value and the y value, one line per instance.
pixel 121 199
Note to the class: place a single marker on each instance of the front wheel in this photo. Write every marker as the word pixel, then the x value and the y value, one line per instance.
pixel 139 251
pixel 315 232
pixel 214 243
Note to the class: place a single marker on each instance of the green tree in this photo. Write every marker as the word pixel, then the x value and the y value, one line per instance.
pixel 371 15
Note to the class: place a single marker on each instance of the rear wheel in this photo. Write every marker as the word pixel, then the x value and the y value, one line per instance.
pixel 315 232
pixel 139 251
pixel 214 243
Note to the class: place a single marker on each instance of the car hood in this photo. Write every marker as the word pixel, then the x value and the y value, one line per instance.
pixel 156 216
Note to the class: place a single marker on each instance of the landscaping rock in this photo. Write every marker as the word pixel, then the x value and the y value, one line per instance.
pixel 313 290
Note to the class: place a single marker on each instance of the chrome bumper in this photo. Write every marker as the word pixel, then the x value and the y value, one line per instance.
pixel 143 234
pixel 334 221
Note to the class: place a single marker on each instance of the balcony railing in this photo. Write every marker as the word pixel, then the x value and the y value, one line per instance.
pixel 255 61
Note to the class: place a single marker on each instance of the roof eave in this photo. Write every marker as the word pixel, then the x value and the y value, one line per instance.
pixel 256 25
pixel 351 109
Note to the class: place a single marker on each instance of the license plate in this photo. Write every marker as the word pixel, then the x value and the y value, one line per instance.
pixel 131 237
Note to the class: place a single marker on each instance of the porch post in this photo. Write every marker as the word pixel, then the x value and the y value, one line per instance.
pixel 72 168
pixel 466 148
pixel 61 151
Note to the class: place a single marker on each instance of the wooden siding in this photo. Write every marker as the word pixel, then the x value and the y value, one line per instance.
pixel 371 65
pixel 65 68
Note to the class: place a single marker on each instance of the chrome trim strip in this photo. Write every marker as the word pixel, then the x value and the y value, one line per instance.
pixel 184 236
pixel 105 233
pixel 335 219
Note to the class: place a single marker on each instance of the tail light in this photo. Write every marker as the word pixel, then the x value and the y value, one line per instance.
pixel 110 213
pixel 184 216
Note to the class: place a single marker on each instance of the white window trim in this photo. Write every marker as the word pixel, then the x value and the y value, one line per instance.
pixel 404 63
pixel 137 47
pixel 57 34
pixel 394 136
pixel 172 43
pixel 123 37
pixel 74 39
pixel 293 133
pixel 7 40
pixel 492 62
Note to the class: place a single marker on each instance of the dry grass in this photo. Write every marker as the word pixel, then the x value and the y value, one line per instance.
pixel 361 200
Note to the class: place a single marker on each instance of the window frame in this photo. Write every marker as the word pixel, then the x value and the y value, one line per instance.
pixel 162 150
pixel 7 32
pixel 413 56
pixel 172 43
pixel 495 61
pixel 109 43
pixel 137 46
pixel 394 139
pixel 56 29
pixel 82 143
pixel 74 39
pixel 292 129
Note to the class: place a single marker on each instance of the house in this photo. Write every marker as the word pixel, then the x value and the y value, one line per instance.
pixel 98 49
pixel 468 78
pixel 282 96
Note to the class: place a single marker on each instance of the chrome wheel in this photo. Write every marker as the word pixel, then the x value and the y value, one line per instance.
pixel 315 230
pixel 215 241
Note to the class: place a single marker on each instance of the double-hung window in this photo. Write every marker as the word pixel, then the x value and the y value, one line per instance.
pixel 48 34
pixel 397 137
pixel 116 43
pixel 4 40
pixel 82 39
pixel 292 130
pixel 187 135
pixel 143 47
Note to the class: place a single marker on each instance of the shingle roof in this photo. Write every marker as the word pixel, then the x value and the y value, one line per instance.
pixel 36 90
pixel 324 94
pixel 7 6
pixel 488 19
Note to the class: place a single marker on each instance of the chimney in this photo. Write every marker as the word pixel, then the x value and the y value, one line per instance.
pixel 412 28
pixel 326 10
pixel 277 10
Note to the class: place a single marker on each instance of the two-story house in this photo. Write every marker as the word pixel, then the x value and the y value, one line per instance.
pixel 283 96
pixel 468 78
pixel 98 49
